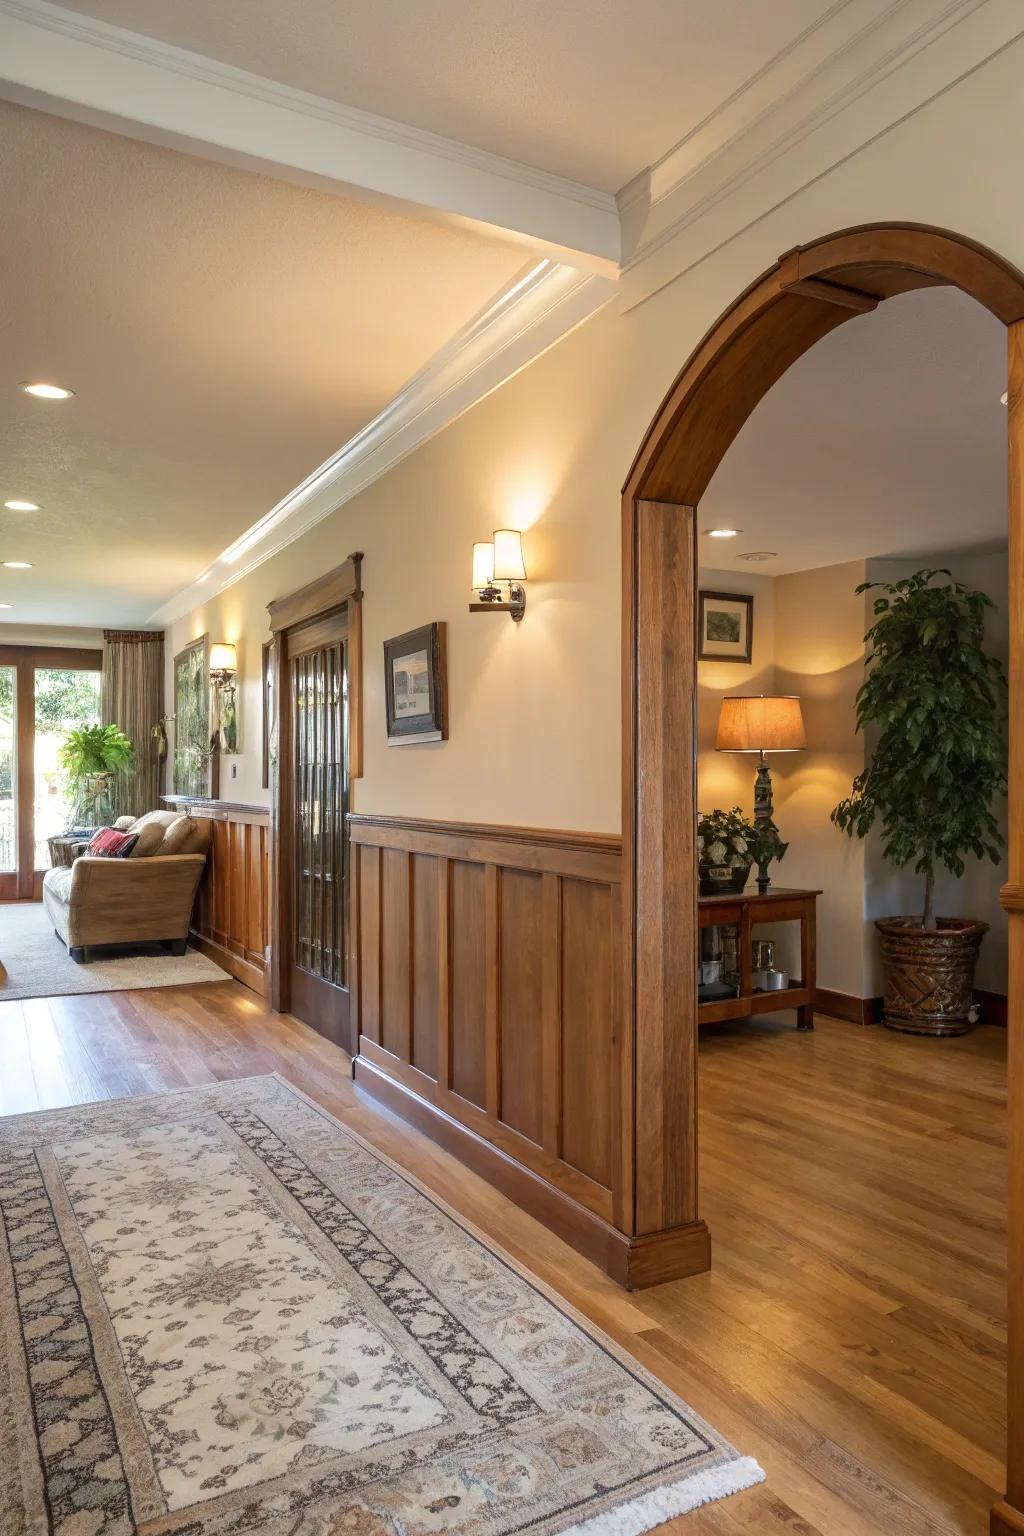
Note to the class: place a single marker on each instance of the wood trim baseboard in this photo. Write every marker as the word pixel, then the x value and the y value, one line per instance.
pixel 634 1262
pixel 845 1005
pixel 1005 1520
pixel 242 970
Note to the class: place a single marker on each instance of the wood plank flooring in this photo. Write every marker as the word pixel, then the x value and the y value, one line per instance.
pixel 851 1334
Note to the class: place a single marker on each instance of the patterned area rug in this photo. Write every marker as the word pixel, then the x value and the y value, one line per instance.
pixel 222 1312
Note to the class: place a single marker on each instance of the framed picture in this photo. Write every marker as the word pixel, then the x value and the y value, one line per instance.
pixel 196 761
pixel 725 626
pixel 416 686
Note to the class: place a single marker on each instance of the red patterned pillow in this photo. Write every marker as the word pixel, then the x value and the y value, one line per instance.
pixel 108 843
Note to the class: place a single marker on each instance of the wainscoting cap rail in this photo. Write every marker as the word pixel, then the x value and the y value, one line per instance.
pixel 599 842
pixel 225 807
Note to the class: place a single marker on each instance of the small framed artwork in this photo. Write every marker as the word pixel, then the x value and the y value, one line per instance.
pixel 416 686
pixel 725 626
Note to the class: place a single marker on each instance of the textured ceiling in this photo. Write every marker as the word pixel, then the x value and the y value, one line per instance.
pixel 590 89
pixel 224 334
pixel 888 438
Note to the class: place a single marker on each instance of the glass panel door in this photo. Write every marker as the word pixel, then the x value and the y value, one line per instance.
pixel 319 811
pixel 64 698
pixel 8 783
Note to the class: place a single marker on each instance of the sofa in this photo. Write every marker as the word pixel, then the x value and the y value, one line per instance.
pixel 145 897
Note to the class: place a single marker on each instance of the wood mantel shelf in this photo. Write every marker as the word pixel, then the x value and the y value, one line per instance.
pixel 744 911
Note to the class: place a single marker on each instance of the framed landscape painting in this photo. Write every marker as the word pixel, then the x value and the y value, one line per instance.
pixel 195 765
pixel 725 626
pixel 415 686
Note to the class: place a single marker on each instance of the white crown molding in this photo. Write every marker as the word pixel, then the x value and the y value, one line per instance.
pixel 869 65
pixel 530 315
pixel 93 72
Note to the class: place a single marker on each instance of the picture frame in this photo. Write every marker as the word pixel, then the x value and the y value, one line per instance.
pixel 725 626
pixel 416 685
pixel 196 765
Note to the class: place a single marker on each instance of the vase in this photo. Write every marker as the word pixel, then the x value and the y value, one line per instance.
pixel 929 973
pixel 722 879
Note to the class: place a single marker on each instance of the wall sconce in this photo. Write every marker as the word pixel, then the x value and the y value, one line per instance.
pixel 497 562
pixel 223 666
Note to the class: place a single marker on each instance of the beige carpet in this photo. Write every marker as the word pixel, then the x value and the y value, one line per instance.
pixel 225 1313
pixel 38 965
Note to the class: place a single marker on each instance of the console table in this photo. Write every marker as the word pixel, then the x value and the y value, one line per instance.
pixel 744 912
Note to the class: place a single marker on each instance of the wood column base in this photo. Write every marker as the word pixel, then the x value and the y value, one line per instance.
pixel 634 1262
pixel 1006 1521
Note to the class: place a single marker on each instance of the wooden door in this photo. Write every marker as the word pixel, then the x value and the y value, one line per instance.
pixel 316 663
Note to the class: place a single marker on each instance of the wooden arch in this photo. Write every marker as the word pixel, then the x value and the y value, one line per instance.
pixel 809 292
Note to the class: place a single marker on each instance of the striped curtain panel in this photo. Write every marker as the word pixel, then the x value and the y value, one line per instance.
pixel 132 696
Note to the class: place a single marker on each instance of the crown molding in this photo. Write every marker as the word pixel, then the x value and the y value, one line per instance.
pixel 537 309
pixel 867 66
pixel 106 76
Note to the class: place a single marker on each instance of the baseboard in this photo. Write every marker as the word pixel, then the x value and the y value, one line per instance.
pixel 844 1005
pixel 634 1262
pixel 242 970
pixel 1006 1521
pixel 992 1005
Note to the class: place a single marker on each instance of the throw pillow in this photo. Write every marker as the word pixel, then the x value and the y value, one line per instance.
pixel 178 835
pixel 108 843
pixel 149 836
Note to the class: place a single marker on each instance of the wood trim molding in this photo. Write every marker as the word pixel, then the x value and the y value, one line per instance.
pixel 1006 1521
pixel 634 1262
pixel 846 1006
pixel 332 590
pixel 219 810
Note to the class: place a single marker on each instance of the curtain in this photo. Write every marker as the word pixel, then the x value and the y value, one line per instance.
pixel 132 697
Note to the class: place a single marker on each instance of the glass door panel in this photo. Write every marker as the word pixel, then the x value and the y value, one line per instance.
pixel 64 699
pixel 8 785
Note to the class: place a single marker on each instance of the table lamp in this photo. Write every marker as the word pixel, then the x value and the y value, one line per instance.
pixel 761 723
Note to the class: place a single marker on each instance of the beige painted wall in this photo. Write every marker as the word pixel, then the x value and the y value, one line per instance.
pixel 725 779
pixel 535 711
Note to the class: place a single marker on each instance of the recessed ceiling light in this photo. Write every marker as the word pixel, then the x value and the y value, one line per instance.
pixel 722 533
pixel 48 391
pixel 759 554
pixel 5 605
pixel 18 565
pixel 22 506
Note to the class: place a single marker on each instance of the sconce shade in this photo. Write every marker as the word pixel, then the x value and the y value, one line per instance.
pixel 760 724
pixel 508 555
pixel 222 657
pixel 483 566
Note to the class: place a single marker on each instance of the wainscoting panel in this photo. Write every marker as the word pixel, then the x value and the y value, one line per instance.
pixel 231 917
pixel 487 999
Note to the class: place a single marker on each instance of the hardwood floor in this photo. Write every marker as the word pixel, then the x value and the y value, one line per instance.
pixel 851 1333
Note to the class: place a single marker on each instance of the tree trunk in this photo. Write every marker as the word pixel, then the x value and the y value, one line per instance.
pixel 928 920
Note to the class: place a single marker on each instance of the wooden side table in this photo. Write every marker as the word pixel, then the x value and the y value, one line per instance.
pixel 744 912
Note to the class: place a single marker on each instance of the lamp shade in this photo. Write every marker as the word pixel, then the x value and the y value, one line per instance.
pixel 508 555
pixel 760 723
pixel 222 657
pixel 483 566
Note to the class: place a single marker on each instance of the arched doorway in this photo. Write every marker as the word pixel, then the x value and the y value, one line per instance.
pixel 809 292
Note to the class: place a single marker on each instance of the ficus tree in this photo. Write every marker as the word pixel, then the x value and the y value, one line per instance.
pixel 936 702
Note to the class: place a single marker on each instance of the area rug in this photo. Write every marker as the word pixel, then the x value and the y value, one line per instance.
pixel 38 965
pixel 223 1312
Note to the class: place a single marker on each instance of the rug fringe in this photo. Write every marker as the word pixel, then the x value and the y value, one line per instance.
pixel 661 1504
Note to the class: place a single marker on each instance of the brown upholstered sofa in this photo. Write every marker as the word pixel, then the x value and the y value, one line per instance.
pixel 147 896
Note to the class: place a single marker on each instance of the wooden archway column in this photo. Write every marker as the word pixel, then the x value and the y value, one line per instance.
pixel 809 292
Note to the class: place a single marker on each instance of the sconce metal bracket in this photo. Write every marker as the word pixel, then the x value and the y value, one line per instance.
pixel 515 607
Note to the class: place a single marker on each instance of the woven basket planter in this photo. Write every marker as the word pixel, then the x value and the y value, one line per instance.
pixel 929 973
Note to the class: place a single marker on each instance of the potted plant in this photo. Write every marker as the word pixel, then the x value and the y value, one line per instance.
pixel 936 700
pixel 723 851
pixel 92 756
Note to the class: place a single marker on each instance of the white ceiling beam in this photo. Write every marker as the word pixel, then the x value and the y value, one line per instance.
pixel 92 72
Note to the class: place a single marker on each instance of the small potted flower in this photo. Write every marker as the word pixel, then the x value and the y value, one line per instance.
pixel 724 854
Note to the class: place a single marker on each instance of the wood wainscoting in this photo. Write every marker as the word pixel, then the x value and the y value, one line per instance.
pixel 487 991
pixel 231 916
